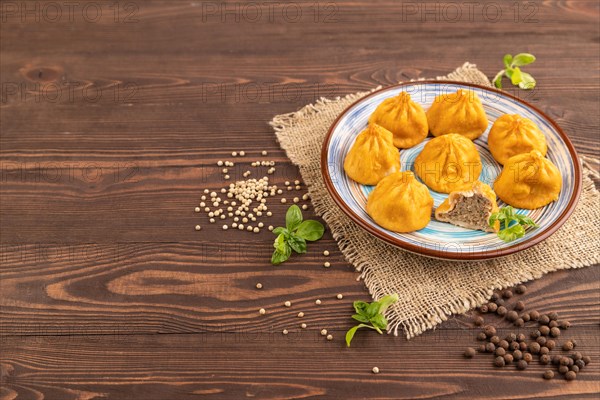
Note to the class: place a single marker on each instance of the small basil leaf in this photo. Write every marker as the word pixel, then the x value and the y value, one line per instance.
pixel 360 318
pixel 352 331
pixel 280 256
pixel 360 307
pixel 279 242
pixel 373 309
pixel 379 321
pixel 512 233
pixel 310 230
pixel 517 76
pixel 293 218
pixel 297 244
pixel 527 81
pixel 522 59
pixel 525 220
pixel 387 301
pixel 507 61
pixel 498 79
pixel 279 230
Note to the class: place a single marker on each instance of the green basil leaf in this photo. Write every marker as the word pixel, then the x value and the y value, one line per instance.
pixel 279 242
pixel 507 61
pixel 352 331
pixel 360 318
pixel 512 233
pixel 279 230
pixel 493 218
pixel 522 59
pixel 527 81
pixel 373 309
pixel 517 76
pixel 360 307
pixel 387 301
pixel 280 256
pixel 310 230
pixel 293 217
pixel 379 321
pixel 525 220
pixel 509 73
pixel 297 244
pixel 498 79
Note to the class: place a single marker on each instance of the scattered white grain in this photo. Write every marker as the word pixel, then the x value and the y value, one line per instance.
pixel 197 209
pixel 329 337
pixel 259 285
pixel 323 332
pixel 262 311
pixel 287 304
pixel 317 302
pixel 340 296
pixel 375 370
pixel 326 253
pixel 198 227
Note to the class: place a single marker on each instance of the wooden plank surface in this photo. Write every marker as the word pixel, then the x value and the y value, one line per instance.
pixel 110 129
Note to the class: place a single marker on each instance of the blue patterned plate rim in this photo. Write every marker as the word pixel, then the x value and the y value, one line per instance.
pixel 386 236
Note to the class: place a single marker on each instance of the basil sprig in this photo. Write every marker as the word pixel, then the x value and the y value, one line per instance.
pixel 370 315
pixel 512 224
pixel 513 71
pixel 294 235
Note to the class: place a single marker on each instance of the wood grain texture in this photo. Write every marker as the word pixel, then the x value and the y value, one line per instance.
pixel 109 132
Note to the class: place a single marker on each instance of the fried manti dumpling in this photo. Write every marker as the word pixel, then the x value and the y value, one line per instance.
pixel 512 134
pixel 372 157
pixel 470 208
pixel 460 112
pixel 528 181
pixel 448 163
pixel 400 203
pixel 404 118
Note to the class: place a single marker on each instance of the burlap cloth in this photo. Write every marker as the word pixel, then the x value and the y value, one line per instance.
pixel 430 290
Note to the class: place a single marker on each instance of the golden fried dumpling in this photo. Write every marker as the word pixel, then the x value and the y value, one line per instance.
pixel 448 163
pixel 460 112
pixel 372 156
pixel 512 134
pixel 400 203
pixel 471 208
pixel 528 181
pixel 404 118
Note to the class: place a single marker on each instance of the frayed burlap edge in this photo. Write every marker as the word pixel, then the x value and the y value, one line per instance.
pixel 458 286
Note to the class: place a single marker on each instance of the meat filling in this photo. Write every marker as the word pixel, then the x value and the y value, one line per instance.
pixel 472 210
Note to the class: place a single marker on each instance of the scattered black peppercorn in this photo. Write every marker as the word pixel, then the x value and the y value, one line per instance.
pixel 563 369
pixel 576 356
pixel 580 364
pixel 556 359
pixel 535 334
pixel 483 308
pixel 499 361
pixel 575 368
pixel 568 345
pixel 492 307
pixel 511 337
pixel 520 289
pixel 508 358
pixel 481 336
pixel 544 330
pixel 534 347
pixel 500 351
pixel 519 306
pixel 541 340
pixel 534 315
pixel 548 374
pixel 481 348
pixel 494 297
pixel 523 346
pixel 489 330
pixel 545 359
pixel 574 342
pixel 522 364
pixel 553 324
pixel 501 311
pixel 571 361
pixel 565 324
pixel 571 375
pixel 553 316
pixel 544 319
pixel 564 361
pixel 527 357
pixel 551 344
pixel 490 347
pixel 514 346
pixel 517 355
pixel 478 321
pixel 470 352
pixel 495 339
pixel 519 322
pixel 504 344
pixel 499 302
pixel 555 332
pixel 521 337
pixel 544 350
pixel 507 294
pixel 525 317
pixel 512 316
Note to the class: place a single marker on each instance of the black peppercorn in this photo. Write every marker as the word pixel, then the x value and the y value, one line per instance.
pixel 499 361
pixel 514 346
pixel 511 337
pixel 544 350
pixel 518 355
pixel 523 346
pixel 535 334
pixel 527 357
pixel 544 319
pixel 556 359
pixel 499 302
pixel 548 374
pixel 481 336
pixel 504 344
pixel 574 342
pixel 534 315
pixel 580 364
pixel 571 361
pixel 492 307
pixel 563 369
pixel 575 368
pixel 507 294
pixel 501 311
pixel 489 330
pixel 512 316
pixel 576 356
pixel 519 322
pixel 481 348
pixel 565 324
pixel 571 375
pixel 490 347
pixel 525 317
pixel 568 345
pixel 564 361
pixel 553 316
pixel 508 358
pixel 478 321
pixel 500 351
pixel 522 364
pixel 544 330
pixel 553 324
pixel 534 347
pixel 494 297
pixel 555 332
pixel 550 344
pixel 520 289
pixel 495 339
pixel 541 340
pixel 470 352
pixel 544 359
pixel 483 308
pixel 521 337
pixel 520 306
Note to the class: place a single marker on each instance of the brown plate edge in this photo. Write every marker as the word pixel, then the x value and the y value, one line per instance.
pixel 471 256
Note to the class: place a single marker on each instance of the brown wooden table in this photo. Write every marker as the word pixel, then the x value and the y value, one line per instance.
pixel 113 117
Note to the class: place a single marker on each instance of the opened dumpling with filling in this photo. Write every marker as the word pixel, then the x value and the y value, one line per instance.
pixel 404 118
pixel 400 203
pixel 448 163
pixel 460 112
pixel 470 208
pixel 372 156
pixel 512 134
pixel 528 181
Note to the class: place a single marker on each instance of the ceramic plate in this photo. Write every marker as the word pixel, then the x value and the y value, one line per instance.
pixel 439 239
